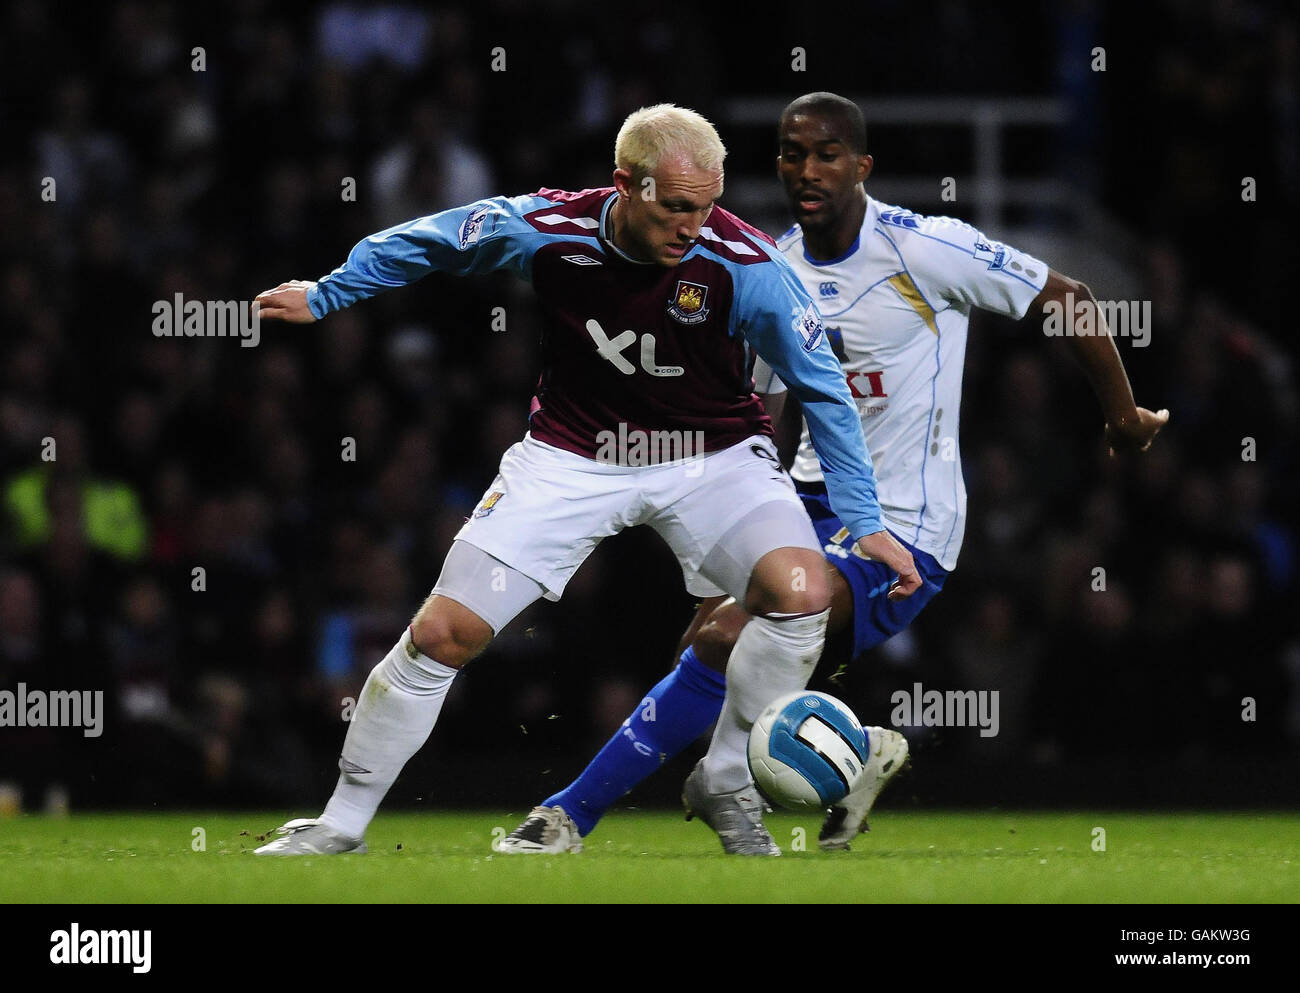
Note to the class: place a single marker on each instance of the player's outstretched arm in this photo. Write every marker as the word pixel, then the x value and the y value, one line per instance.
pixel 480 237
pixel 1129 428
pixel 287 302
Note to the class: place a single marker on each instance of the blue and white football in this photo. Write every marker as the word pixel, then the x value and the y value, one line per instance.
pixel 807 750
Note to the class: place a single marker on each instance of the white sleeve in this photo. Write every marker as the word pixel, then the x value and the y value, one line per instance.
pixel 765 380
pixel 950 260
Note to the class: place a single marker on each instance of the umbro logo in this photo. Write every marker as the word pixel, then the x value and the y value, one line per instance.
pixel 580 259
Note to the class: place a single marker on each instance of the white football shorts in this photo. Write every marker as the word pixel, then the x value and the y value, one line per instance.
pixel 720 513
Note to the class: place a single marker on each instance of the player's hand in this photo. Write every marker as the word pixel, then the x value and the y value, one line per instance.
pixel 287 302
pixel 1135 433
pixel 884 547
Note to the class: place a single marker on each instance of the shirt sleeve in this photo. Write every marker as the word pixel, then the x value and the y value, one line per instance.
pixel 480 237
pixel 952 262
pixel 780 321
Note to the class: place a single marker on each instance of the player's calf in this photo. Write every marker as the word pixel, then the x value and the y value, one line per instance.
pixel 772 657
pixel 716 638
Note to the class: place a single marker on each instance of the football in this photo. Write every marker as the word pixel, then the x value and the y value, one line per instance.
pixel 807 751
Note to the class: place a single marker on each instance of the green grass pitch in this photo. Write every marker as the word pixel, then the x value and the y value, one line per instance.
pixel 651 857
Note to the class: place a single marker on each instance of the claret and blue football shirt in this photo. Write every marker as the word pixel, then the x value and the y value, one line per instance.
pixel 624 342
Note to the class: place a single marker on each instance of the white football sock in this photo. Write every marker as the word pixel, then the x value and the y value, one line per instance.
pixel 397 710
pixel 773 656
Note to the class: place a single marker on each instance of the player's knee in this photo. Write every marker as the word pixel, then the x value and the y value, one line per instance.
pixel 796 584
pixel 716 639
pixel 447 637
pixel 434 637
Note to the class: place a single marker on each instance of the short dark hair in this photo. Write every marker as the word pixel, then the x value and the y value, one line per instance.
pixel 848 115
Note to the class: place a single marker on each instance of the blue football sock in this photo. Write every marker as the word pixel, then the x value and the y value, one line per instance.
pixel 673 714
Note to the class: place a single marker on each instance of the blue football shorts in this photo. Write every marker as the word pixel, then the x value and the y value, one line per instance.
pixel 875 616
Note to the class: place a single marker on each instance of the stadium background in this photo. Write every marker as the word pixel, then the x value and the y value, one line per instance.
pixel 180 453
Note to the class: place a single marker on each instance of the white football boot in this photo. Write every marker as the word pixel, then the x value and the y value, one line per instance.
pixel 848 818
pixel 307 836
pixel 546 831
pixel 737 817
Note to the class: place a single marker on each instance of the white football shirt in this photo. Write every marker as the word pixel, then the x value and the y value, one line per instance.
pixel 896 310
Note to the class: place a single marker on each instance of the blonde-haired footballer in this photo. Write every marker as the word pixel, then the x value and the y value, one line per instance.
pixel 651 133
pixel 654 302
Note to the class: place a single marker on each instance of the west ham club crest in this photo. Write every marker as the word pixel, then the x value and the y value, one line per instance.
pixel 688 307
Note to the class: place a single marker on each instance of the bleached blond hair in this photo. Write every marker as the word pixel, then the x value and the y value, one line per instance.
pixel 651 133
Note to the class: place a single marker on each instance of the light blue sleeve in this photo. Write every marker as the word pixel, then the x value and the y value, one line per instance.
pixel 483 236
pixel 780 321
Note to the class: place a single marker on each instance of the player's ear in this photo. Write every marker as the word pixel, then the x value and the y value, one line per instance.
pixel 865 162
pixel 623 182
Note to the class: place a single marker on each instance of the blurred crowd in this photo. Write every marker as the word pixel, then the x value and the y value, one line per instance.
pixel 184 527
